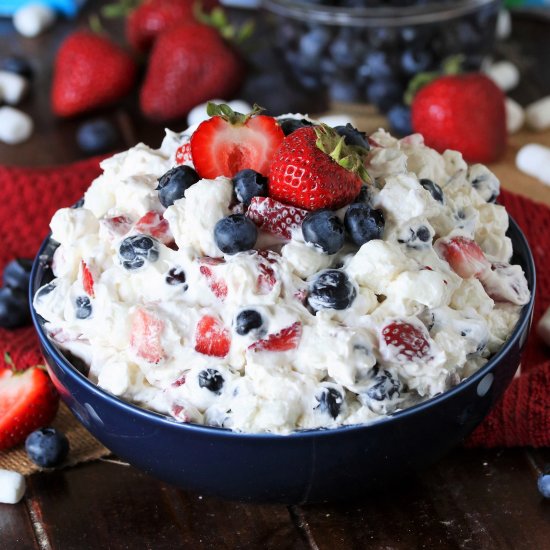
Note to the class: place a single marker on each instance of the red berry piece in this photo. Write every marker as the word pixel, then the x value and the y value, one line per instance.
pixel 463 255
pixel 118 225
pixel 407 341
pixel 146 336
pixel 285 340
pixel 217 285
pixel 87 279
pixel 212 337
pixel 275 217
pixel 155 225
pixel 183 153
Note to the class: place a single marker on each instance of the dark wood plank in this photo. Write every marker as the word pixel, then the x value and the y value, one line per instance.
pixel 16 529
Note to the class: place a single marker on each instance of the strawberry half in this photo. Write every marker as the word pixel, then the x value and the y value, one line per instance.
pixel 152 223
pixel 314 168
pixel 28 401
pixel 463 255
pixel 284 340
pixel 405 341
pixel 275 217
pixel 229 142
pixel 183 153
pixel 145 336
pixel 212 337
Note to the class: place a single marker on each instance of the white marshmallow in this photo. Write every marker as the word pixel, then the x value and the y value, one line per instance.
pixel 537 114
pixel 12 87
pixel 198 113
pixel 32 19
pixel 504 74
pixel 515 116
pixel 504 24
pixel 15 126
pixel 543 327
pixel 534 159
pixel 12 487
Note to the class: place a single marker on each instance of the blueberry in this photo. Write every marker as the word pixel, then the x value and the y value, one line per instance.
pixel 432 188
pixel 18 65
pixel 399 117
pixel 331 289
pixel 344 91
pixel 17 274
pixel 412 235
pixel 235 233
pixel 248 184
pixel 324 230
pixel 330 401
pixel 289 125
pixel 364 195
pixel 416 61
pixel 378 65
pixel 364 223
pixel 79 203
pixel 212 380
pixel 384 386
pixel 543 484
pixel 311 44
pixel 385 93
pixel 14 308
pixel 44 290
pixel 423 234
pixel 345 49
pixel 353 136
pixel 247 320
pixel 176 276
pixel 47 447
pixel 83 307
pixel 174 183
pixel 135 250
pixel 97 136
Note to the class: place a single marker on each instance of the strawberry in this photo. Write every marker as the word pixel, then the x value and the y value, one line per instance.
pixel 217 285
pixel 462 112
pixel 183 153
pixel 117 226
pixel 152 223
pixel 212 337
pixel 229 142
pixel 408 342
pixel 87 279
pixel 90 71
pixel 463 255
pixel 28 401
pixel 275 217
pixel 314 168
pixel 153 17
pixel 145 335
pixel 284 340
pixel 266 278
pixel 189 64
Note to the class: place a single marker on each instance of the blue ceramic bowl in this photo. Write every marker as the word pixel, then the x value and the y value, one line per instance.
pixel 307 466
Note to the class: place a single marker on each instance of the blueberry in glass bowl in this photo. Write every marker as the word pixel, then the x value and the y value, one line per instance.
pixel 367 51
pixel 313 465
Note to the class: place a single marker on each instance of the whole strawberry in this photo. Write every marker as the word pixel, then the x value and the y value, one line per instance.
pixel 90 71
pixel 314 168
pixel 189 64
pixel 462 112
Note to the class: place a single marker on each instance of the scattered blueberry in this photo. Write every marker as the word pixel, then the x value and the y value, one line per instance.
pixel 311 44
pixel 384 386
pixel 14 308
pixel 289 125
pixel 17 274
pixel 212 380
pixel 415 237
pixel 176 276
pixel 364 223
pixel 134 250
pixel 432 188
pixel 79 203
pixel 97 136
pixel 47 447
pixel 364 195
pixel 543 484
pixel 385 93
pixel 423 234
pixel 352 136
pixel 416 60
pixel 399 117
pixel 247 320
pixel 174 183
pixel 248 184
pixel 323 229
pixel 331 289
pixel 330 401
pixel 18 65
pixel 83 307
pixel 343 90
pixel 235 233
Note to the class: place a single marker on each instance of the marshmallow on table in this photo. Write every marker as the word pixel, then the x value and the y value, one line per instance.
pixel 12 487
pixel 515 116
pixel 198 113
pixel 12 87
pixel 504 74
pixel 534 159
pixel 15 126
pixel 543 327
pixel 537 114
pixel 32 19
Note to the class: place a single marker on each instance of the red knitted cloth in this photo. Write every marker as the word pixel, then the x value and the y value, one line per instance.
pixel 29 198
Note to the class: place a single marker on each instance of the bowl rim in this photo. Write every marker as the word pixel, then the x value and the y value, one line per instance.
pixel 380 16
pixel 77 376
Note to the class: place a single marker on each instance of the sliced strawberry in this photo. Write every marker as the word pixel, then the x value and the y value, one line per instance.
pixel 275 217
pixel 217 285
pixel 28 401
pixel 266 279
pixel 284 340
pixel 229 142
pixel 463 255
pixel 212 337
pixel 146 336
pixel 405 341
pixel 118 225
pixel 183 153
pixel 179 413
pixel 152 223
pixel 87 279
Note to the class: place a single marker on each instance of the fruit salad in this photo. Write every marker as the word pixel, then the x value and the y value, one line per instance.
pixel 275 274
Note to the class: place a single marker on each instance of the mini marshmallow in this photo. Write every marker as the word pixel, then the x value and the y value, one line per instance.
pixel 32 19
pixel 504 25
pixel 534 159
pixel 15 126
pixel 543 327
pixel 12 87
pixel 12 487
pixel 515 116
pixel 537 114
pixel 198 114
pixel 504 74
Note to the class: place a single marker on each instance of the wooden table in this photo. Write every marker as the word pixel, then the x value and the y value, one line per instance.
pixel 473 499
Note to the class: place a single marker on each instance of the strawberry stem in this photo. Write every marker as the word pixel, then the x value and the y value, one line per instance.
pixel 120 9
pixel 227 113
pixel 8 360
pixel 218 19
